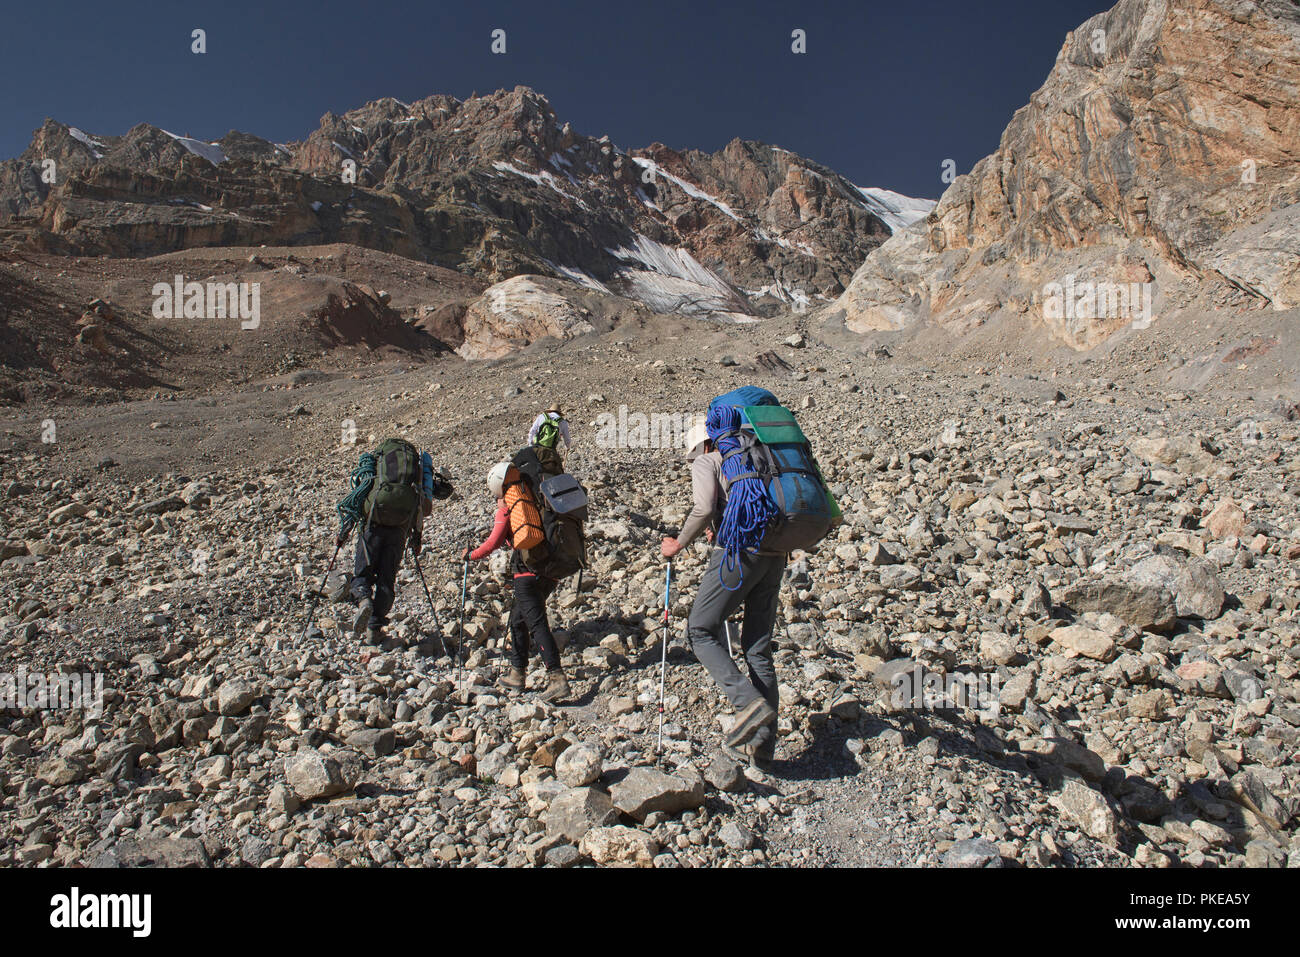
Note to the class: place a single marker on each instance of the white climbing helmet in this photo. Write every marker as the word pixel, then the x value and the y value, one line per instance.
pixel 497 478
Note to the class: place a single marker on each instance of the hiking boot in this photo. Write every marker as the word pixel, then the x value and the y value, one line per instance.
pixel 557 687
pixel 375 637
pixel 762 750
pixel 362 617
pixel 752 717
pixel 514 679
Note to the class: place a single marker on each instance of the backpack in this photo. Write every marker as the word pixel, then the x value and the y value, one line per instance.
pixel 548 433
pixel 562 501
pixel 395 496
pixel 766 444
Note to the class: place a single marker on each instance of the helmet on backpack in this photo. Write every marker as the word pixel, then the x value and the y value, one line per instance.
pixel 497 478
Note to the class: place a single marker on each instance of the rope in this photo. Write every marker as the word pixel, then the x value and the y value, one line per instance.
pixel 353 505
pixel 749 509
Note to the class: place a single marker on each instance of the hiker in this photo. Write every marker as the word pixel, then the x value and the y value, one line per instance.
pixel 517 524
pixel 747 442
pixel 549 428
pixel 393 491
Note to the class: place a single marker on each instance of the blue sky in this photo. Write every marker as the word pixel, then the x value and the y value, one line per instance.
pixel 885 93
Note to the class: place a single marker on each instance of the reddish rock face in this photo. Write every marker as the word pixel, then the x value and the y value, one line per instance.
pixel 1164 144
pixel 494 186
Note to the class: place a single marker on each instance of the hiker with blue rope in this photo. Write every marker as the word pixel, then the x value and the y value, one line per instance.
pixel 758 495
pixel 393 489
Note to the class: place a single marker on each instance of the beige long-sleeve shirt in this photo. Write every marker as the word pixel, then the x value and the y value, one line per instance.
pixel 709 498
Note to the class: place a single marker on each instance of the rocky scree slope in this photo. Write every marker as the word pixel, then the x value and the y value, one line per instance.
pixel 1124 559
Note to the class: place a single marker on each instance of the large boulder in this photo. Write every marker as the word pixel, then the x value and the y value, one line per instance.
pixel 166 852
pixel 1196 588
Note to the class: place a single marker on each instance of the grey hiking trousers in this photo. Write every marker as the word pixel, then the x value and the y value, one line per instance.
pixel 759 590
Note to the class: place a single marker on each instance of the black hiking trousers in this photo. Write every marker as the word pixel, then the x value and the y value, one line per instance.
pixel 379 554
pixel 528 620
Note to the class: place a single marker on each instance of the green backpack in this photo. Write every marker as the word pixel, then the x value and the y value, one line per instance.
pixel 395 495
pixel 548 433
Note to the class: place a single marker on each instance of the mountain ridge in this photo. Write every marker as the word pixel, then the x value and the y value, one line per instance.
pixel 494 185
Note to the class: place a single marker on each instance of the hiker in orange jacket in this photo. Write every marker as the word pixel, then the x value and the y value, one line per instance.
pixel 531 590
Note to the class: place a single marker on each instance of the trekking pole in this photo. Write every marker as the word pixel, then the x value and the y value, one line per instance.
pixel 460 637
pixel 316 595
pixel 437 624
pixel 663 652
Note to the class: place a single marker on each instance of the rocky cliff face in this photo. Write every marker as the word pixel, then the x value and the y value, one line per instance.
pixel 495 186
pixel 1163 150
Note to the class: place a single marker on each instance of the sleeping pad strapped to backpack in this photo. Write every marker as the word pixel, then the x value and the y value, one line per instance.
pixel 562 501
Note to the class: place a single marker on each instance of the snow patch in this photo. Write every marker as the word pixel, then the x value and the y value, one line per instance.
pixel 687 188
pixel 541 179
pixel 579 276
pixel 894 209
pixel 209 151
pixel 668 279
pixel 94 144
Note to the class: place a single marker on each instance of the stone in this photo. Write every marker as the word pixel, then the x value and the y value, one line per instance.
pixel 235 697
pixel 619 846
pixel 725 773
pixel 1088 809
pixel 973 852
pixel 168 852
pixel 1197 591
pixel 59 772
pixel 579 765
pixel 736 836
pixel 645 790
pixel 1085 641
pixel 1149 607
pixel 562 855
pixel 900 577
pixel 576 811
pixel 373 742
pixel 313 774
pixel 1017 689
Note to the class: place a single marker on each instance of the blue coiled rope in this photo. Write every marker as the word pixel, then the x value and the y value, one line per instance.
pixel 749 510
pixel 363 477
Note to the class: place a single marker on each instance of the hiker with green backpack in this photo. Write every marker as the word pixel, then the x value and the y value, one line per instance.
pixel 758 494
pixel 539 515
pixel 393 491
pixel 549 429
